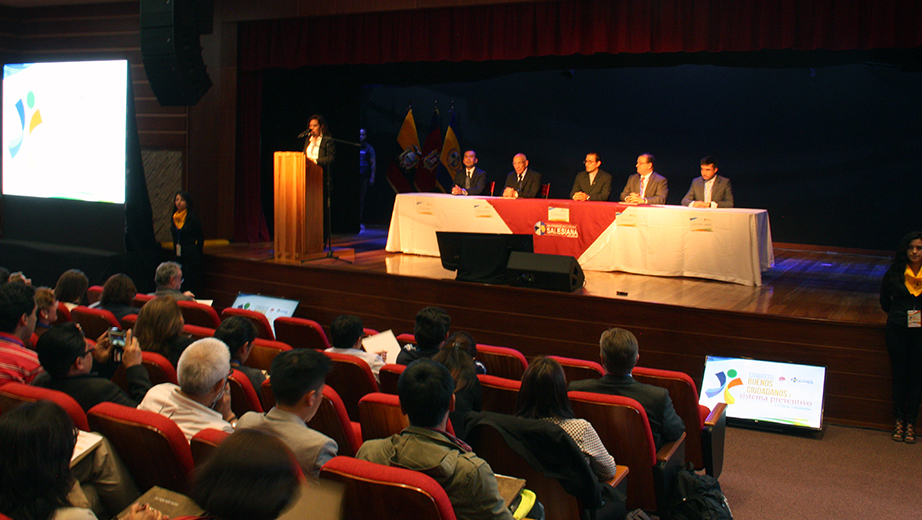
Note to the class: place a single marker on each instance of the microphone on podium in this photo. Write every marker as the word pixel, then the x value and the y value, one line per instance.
pixel 304 134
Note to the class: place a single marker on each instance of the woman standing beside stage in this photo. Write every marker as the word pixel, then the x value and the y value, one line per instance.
pixel 188 241
pixel 901 299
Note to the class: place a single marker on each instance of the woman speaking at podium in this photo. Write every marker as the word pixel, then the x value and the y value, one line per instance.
pixel 319 147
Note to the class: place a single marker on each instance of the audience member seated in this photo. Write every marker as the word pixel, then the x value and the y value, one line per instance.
pixel 346 333
pixel 431 329
pixel 249 476
pixel 46 312
pixel 297 382
pixel 36 480
pixel 68 362
pixel 117 294
pixel 4 275
pixel 238 334
pixel 159 328
pixel 465 341
pixel 169 282
pixel 619 353
pixel 468 394
pixel 202 399
pixel 426 392
pixel 71 288
pixel 17 322
pixel 544 396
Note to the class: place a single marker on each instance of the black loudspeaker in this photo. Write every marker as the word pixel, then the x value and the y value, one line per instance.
pixel 171 49
pixel 552 272
pixel 483 259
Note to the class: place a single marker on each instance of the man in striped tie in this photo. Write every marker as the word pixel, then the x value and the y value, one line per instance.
pixel 646 186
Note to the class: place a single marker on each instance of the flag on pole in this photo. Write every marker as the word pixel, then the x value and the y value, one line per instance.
pixel 400 167
pixel 429 156
pixel 451 156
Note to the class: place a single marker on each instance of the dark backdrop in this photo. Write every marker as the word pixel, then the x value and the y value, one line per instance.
pixel 829 143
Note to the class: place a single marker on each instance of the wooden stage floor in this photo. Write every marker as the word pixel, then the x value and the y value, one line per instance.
pixel 804 283
pixel 814 307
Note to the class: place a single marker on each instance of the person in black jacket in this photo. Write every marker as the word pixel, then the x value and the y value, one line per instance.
pixel 900 294
pixel 68 360
pixel 188 240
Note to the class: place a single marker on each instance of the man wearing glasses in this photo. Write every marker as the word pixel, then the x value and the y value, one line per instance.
pixel 68 361
pixel 202 399
pixel 592 184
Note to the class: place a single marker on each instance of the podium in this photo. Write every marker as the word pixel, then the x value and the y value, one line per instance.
pixel 298 207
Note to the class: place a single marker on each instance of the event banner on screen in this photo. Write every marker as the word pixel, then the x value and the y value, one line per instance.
pixel 64 130
pixel 781 393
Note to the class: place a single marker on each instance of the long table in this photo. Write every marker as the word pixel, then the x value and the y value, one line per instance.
pixel 731 245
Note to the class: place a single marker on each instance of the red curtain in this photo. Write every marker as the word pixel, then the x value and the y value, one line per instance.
pixel 249 221
pixel 515 31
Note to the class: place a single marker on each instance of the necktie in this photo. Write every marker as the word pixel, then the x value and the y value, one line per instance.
pixel 468 182
pixel 643 185
pixel 520 183
pixel 707 191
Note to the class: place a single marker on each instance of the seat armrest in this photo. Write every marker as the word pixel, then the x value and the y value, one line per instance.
pixel 712 440
pixel 670 449
pixel 669 459
pixel 620 474
pixel 717 415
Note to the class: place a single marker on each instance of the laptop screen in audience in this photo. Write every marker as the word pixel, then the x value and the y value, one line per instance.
pixel 271 306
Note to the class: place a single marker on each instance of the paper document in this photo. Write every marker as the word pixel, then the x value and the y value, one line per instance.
pixel 383 342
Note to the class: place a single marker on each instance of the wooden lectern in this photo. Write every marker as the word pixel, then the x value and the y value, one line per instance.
pixel 298 207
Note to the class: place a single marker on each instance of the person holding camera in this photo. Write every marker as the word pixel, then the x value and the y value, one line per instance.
pixel 68 361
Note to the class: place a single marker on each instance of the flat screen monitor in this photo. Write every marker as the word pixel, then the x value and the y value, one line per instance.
pixel 271 306
pixel 780 394
pixel 450 245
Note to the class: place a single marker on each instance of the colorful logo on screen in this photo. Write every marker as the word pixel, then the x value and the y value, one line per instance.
pixel 725 386
pixel 34 120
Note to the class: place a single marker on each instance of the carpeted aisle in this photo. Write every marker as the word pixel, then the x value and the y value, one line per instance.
pixel 848 473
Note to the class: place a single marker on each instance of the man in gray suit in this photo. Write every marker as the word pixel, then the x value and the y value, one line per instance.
pixel 646 186
pixel 619 354
pixel 592 184
pixel 710 190
pixel 297 382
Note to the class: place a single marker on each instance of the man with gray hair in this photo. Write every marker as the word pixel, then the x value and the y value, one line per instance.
pixel 202 399
pixel 169 282
pixel 619 352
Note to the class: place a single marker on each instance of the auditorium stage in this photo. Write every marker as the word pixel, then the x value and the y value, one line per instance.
pixel 814 307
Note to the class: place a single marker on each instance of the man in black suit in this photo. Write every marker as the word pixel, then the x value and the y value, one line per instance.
pixel 619 355
pixel 646 186
pixel 710 190
pixel 319 148
pixel 470 180
pixel 68 361
pixel 522 183
pixel 592 184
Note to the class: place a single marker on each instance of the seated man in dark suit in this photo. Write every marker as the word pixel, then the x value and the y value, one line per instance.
pixel 522 183
pixel 470 180
pixel 710 190
pixel 592 184
pixel 68 362
pixel 431 329
pixel 619 355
